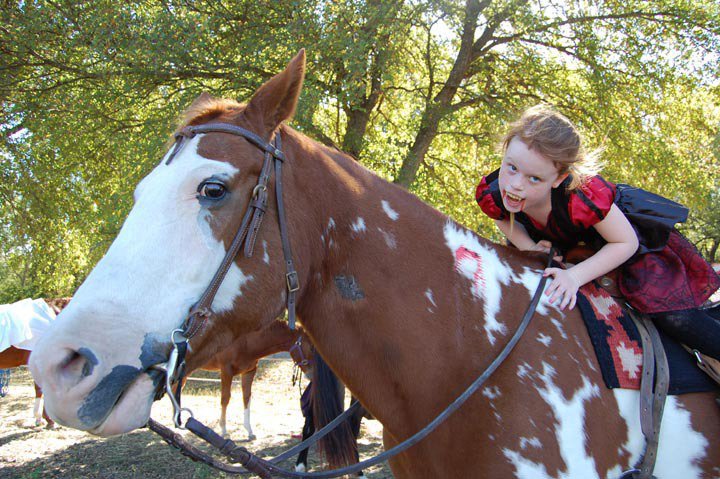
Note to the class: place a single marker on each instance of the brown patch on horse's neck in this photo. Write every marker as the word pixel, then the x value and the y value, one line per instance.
pixel 281 335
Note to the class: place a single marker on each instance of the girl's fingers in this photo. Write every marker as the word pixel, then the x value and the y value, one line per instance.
pixel 566 300
pixel 554 284
pixel 557 295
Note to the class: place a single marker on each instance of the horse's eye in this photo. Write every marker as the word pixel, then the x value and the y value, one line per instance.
pixel 212 190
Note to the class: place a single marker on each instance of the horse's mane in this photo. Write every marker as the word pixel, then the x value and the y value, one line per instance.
pixel 203 109
pixel 206 108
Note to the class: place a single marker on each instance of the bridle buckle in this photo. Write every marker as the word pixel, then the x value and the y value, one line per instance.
pixel 293 282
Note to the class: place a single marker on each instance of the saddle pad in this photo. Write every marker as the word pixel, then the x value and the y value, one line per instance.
pixel 22 323
pixel 619 349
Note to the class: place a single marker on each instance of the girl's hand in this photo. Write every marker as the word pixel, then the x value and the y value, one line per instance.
pixel 564 286
pixel 544 247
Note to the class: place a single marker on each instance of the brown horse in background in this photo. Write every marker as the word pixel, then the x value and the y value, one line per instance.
pixel 405 305
pixel 13 357
pixel 326 398
pixel 242 357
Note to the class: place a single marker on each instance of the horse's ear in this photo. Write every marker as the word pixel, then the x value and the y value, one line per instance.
pixel 200 100
pixel 275 101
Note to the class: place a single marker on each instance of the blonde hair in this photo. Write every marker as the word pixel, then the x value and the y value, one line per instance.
pixel 555 137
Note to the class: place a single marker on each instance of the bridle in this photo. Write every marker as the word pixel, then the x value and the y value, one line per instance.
pixel 198 315
pixel 297 354
pixel 301 363
pixel 246 235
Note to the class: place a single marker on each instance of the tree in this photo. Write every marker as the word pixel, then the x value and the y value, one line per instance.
pixel 418 91
pixel 604 43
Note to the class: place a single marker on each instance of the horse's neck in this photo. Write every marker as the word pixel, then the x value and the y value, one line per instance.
pixel 394 288
pixel 271 340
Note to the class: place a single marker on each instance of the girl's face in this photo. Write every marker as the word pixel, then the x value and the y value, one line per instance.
pixel 526 178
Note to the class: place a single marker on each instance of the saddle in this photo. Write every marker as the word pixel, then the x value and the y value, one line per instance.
pixel 609 283
pixel 655 378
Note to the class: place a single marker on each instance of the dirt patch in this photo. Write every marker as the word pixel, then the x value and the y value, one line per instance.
pixel 28 451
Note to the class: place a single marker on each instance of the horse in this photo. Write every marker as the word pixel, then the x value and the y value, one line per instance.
pixel 326 393
pixel 407 307
pixel 13 357
pixel 242 357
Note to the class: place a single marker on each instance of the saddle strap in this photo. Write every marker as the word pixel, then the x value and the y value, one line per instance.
pixel 652 399
pixel 709 365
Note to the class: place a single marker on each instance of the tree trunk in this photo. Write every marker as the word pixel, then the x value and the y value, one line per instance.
pixel 437 108
pixel 425 136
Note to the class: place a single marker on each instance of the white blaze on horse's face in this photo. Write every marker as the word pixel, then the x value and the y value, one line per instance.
pixel 165 254
pixel 120 319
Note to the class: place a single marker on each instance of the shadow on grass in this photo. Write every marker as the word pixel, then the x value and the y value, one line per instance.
pixel 17 404
pixel 15 436
pixel 137 454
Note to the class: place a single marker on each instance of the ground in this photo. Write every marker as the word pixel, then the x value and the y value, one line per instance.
pixel 29 451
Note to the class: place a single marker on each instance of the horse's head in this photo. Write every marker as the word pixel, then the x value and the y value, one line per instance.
pixel 96 363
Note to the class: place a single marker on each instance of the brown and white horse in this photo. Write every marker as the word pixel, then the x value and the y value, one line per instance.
pixel 406 306
pixel 242 357
pixel 13 357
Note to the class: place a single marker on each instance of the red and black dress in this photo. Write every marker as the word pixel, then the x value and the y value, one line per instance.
pixel 665 274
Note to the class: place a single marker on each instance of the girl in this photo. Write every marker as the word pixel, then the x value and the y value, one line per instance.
pixel 547 190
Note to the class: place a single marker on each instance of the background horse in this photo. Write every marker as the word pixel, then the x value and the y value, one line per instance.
pixel 326 399
pixel 13 357
pixel 405 305
pixel 241 357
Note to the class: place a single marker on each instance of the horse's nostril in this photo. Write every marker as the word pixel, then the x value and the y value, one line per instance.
pixel 78 364
pixel 90 361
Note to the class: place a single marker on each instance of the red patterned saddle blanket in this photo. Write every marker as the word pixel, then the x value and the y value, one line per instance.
pixel 618 346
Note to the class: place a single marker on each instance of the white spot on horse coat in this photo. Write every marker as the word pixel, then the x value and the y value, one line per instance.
pixel 676 457
pixel 491 392
pixel 482 266
pixel 559 327
pixel 389 238
pixel 544 339
pixel 328 230
pixel 392 214
pixel 358 225
pixel 530 442
pixel 429 296
pixel 569 414
pixel 266 256
pixel 523 370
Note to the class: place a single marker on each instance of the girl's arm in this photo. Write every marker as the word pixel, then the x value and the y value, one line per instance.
pixel 622 242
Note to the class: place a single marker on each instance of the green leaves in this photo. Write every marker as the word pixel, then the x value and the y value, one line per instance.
pixel 90 91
